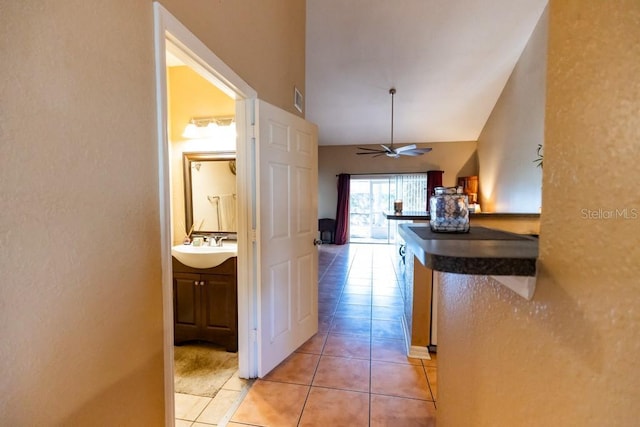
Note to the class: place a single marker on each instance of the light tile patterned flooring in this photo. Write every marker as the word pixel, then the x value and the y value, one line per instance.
pixel 355 371
pixel 206 411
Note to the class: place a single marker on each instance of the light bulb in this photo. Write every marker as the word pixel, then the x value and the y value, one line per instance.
pixel 191 131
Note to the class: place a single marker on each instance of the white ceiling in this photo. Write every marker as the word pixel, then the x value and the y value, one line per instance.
pixel 448 60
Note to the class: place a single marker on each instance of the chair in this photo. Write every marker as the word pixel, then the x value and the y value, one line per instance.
pixel 327 225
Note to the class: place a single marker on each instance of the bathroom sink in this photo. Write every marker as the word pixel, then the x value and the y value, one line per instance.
pixel 204 256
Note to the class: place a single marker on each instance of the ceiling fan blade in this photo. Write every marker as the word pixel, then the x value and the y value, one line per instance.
pixel 406 148
pixel 415 152
pixel 423 150
pixel 410 153
pixel 387 149
pixel 371 152
pixel 377 150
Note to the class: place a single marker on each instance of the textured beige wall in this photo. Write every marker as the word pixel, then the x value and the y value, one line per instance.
pixel 455 158
pixel 570 356
pixel 80 291
pixel 521 225
pixel 262 41
pixel 81 294
pixel 507 145
pixel 190 95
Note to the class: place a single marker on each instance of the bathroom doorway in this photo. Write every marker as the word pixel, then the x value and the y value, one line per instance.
pixel 277 289
pixel 176 46
pixel 202 139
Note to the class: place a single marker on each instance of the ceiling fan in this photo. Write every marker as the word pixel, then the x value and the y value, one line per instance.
pixel 390 151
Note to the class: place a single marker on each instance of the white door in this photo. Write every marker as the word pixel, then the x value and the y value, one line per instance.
pixel 287 175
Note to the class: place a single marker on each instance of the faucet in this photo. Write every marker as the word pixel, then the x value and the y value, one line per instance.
pixel 216 240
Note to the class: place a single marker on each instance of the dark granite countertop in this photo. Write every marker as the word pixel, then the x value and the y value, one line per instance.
pixel 482 251
pixel 424 215
pixel 409 215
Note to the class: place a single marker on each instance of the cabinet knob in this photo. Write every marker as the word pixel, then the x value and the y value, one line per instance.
pixel 196 283
pixel 202 283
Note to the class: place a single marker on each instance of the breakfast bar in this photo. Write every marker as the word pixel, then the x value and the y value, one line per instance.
pixel 482 250
pixel 508 257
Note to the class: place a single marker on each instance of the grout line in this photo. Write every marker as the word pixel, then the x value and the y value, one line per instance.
pixel 226 418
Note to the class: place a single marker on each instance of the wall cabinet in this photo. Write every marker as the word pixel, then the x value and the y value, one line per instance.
pixel 205 304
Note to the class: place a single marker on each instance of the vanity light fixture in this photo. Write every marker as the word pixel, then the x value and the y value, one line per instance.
pixel 210 127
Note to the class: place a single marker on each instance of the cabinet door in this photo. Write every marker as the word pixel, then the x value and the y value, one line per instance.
pixel 186 306
pixel 219 302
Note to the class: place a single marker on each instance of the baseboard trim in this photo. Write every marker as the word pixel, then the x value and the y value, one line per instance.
pixel 417 352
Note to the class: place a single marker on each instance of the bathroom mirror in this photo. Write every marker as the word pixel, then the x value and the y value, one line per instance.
pixel 210 192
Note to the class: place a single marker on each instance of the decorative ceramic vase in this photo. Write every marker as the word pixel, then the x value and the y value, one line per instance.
pixel 449 210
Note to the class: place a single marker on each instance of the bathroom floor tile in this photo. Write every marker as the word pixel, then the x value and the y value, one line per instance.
pixel 328 407
pixel 396 379
pixel 398 411
pixel 297 368
pixel 218 407
pixel 270 403
pixel 232 424
pixel 344 374
pixel 188 407
pixel 236 383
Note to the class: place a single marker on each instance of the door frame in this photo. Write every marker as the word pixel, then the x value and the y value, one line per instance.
pixel 169 33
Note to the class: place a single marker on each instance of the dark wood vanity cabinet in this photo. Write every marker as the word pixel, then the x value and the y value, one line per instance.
pixel 205 304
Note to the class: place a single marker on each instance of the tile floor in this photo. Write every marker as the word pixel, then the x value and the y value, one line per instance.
pixel 354 372
pixel 206 411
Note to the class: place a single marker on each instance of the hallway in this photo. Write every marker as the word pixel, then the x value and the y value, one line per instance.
pixel 355 371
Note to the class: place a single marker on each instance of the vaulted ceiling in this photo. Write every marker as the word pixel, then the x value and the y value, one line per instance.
pixel 448 60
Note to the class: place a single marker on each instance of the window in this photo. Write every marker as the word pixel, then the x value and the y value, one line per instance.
pixel 372 195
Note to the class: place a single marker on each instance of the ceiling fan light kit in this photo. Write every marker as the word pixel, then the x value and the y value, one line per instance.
pixel 390 151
